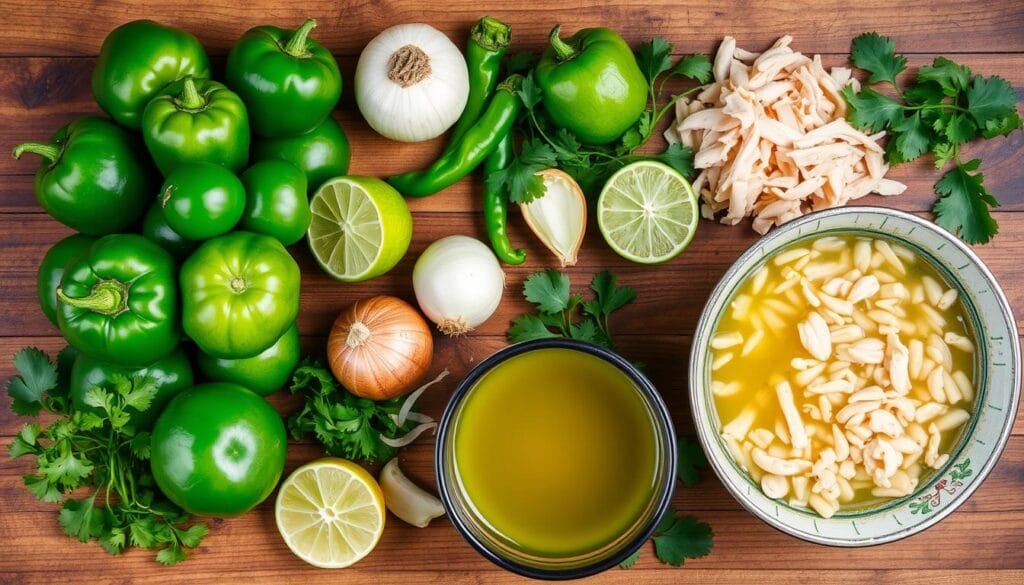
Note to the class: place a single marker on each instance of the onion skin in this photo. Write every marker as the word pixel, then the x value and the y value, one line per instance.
pixel 380 347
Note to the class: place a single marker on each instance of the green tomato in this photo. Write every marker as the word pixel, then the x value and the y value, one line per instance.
pixel 51 270
pixel 322 153
pixel 202 200
pixel 276 203
pixel 156 229
pixel 170 374
pixel 265 373
pixel 218 450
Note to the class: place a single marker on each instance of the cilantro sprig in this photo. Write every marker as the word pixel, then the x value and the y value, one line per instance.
pixel 346 425
pixel 945 107
pixel 545 145
pixel 106 454
pixel 561 313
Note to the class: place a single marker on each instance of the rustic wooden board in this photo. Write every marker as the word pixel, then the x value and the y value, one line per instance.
pixel 45 63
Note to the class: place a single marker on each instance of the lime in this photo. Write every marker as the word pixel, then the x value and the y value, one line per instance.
pixel 330 513
pixel 361 227
pixel 647 212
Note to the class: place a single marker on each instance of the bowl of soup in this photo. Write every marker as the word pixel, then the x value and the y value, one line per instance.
pixel 555 459
pixel 854 376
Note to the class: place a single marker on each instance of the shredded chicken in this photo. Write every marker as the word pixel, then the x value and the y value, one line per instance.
pixel 771 141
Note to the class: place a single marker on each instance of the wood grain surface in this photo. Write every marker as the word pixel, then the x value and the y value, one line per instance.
pixel 45 61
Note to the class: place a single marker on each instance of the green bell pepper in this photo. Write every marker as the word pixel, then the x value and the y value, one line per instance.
pixel 275 201
pixel 240 293
pixel 94 176
pixel 137 60
pixel 51 270
pixel 170 374
pixel 202 200
pixel 118 302
pixel 196 120
pixel 289 81
pixel 156 229
pixel 591 84
pixel 321 154
pixel 265 373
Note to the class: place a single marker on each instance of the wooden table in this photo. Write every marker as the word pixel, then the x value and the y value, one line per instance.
pixel 45 63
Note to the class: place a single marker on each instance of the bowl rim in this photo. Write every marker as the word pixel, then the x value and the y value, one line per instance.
pixel 695 373
pixel 660 413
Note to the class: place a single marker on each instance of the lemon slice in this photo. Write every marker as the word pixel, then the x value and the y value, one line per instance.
pixel 361 227
pixel 330 513
pixel 647 212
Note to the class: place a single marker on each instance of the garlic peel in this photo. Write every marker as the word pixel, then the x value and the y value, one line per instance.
pixel 408 501
pixel 559 217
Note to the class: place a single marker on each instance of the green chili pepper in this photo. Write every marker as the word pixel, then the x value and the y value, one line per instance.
pixel 289 82
pixel 592 84
pixel 476 144
pixel 496 206
pixel 95 176
pixel 488 41
pixel 196 120
pixel 137 60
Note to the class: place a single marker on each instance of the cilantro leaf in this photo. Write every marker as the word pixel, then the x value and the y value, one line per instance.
pixel 872 110
pixel 587 331
pixel 964 202
pixel 25 442
pixel 679 157
pixel 991 99
pixel 37 375
pixel 691 461
pixel 519 179
pixel 911 137
pixel 41 488
pixel 876 54
pixel 193 535
pixel 943 153
pixel 696 67
pixel 951 77
pixel 171 555
pixel 609 297
pixel 65 467
pixel 141 393
pixel 956 128
pixel 686 539
pixel 549 290
pixel 527 328
pixel 630 560
pixel 654 58
pixel 529 93
pixel 1002 126
pixel 81 519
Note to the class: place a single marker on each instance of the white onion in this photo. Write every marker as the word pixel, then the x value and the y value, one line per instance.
pixel 411 83
pixel 458 283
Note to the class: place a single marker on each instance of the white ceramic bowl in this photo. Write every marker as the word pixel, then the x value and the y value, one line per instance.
pixel 997 362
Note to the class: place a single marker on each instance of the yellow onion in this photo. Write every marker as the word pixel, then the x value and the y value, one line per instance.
pixel 380 347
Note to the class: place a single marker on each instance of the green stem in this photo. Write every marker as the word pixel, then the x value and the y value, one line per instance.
pixel 296 46
pixel 563 50
pixel 491 34
pixel 106 298
pixel 189 98
pixel 47 151
pixel 953 107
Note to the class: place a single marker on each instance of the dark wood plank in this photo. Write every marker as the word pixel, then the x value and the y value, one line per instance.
pixel 58 28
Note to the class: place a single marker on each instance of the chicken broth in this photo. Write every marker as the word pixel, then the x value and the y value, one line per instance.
pixel 842 372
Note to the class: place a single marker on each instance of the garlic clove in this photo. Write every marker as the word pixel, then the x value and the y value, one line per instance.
pixel 407 500
pixel 559 218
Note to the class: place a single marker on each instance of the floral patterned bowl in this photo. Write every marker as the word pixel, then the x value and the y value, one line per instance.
pixel 983 437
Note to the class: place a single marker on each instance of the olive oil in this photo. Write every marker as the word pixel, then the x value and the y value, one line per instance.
pixel 555 451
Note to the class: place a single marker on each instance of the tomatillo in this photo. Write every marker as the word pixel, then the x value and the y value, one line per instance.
pixel 218 450
pixel 264 373
pixel 202 200
pixel 170 374
pixel 156 229
pixel 321 153
pixel 240 293
pixel 51 270
pixel 276 203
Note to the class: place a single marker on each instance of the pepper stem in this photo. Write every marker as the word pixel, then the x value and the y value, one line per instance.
pixel 189 98
pixel 108 297
pixel 491 34
pixel 296 46
pixel 563 50
pixel 511 84
pixel 47 151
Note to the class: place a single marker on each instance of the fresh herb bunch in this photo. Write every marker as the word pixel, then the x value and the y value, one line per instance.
pixel 944 107
pixel 680 537
pixel 558 309
pixel 104 453
pixel 545 146
pixel 348 426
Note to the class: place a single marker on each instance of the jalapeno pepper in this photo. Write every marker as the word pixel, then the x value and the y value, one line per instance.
pixel 496 206
pixel 476 144
pixel 488 41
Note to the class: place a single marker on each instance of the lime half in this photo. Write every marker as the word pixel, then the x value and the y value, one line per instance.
pixel 361 227
pixel 647 212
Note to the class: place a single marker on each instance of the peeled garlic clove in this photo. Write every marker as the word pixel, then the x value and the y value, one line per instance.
pixel 559 218
pixel 408 501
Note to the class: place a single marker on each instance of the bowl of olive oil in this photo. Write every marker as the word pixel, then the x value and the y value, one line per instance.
pixel 555 459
